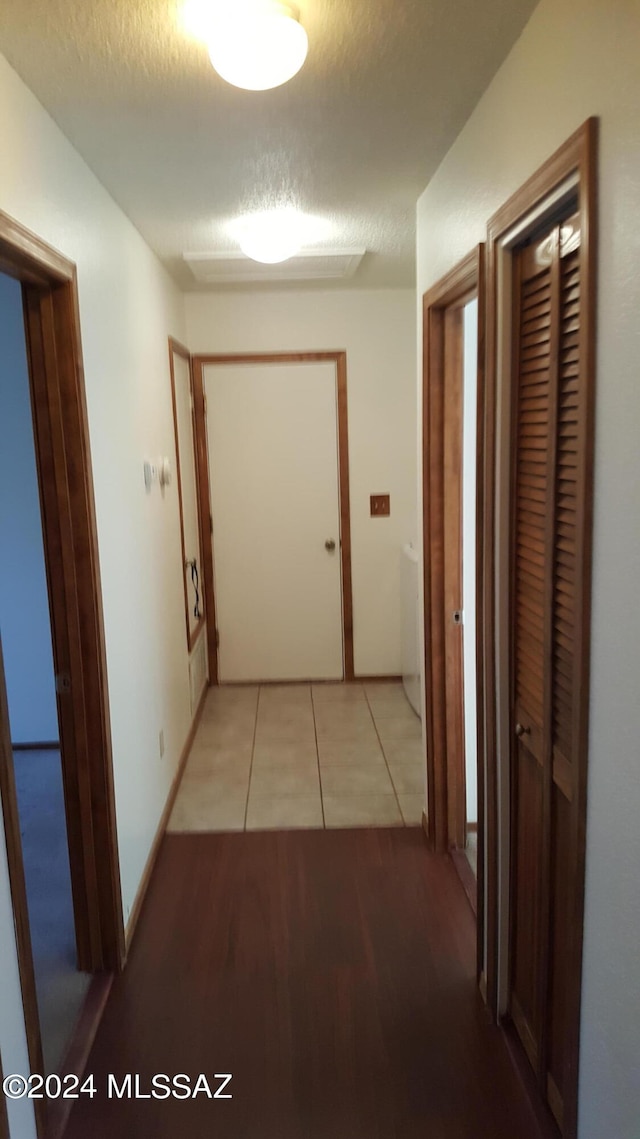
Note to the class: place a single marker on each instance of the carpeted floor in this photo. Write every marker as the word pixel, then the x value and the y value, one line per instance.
pixel 60 987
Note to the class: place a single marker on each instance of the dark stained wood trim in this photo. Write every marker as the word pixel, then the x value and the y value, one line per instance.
pixel 27 258
pixel 345 514
pixel 177 349
pixel 204 507
pixel 480 625
pixel 19 900
pixel 162 825
pixel 459 286
pixel 339 358
pixel 73 578
pixel 588 209
pixel 61 436
pixel 578 156
pixel 362 678
pixel 451 533
pixel 77 1054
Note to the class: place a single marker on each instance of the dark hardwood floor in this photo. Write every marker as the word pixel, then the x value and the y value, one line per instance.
pixel 332 972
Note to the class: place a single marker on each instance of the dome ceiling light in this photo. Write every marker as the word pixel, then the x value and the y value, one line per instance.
pixel 276 235
pixel 253 44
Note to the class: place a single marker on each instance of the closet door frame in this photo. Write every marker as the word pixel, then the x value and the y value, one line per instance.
pixel 569 175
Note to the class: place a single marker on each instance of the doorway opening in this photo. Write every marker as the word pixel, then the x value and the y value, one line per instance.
pixel 452 390
pixel 31 693
pixel 48 307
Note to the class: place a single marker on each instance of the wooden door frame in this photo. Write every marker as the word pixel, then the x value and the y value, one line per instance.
pixel 574 163
pixel 446 815
pixel 61 436
pixel 338 358
pixel 178 349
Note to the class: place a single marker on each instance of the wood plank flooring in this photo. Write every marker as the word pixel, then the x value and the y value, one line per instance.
pixel 331 972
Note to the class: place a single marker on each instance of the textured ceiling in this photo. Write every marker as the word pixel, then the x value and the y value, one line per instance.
pixel 352 139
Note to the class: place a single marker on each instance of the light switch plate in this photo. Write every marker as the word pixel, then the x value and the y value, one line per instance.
pixel 380 505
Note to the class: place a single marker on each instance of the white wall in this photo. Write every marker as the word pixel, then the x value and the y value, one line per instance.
pixel 469 488
pixel 128 307
pixel 25 624
pixel 578 58
pixel 377 330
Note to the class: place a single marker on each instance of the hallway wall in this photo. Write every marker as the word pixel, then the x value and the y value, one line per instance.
pixel 573 60
pixel 377 330
pixel 25 624
pixel 128 307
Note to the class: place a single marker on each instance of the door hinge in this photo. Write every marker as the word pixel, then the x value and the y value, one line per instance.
pixel 217 638
pixel 204 401
pixel 63 683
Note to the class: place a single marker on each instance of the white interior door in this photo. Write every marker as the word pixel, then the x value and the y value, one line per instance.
pixel 273 471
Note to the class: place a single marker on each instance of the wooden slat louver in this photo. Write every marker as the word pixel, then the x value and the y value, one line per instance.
pixel 545 569
pixel 564 576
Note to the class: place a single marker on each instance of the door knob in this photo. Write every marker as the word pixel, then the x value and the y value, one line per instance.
pixel 522 731
pixel 330 545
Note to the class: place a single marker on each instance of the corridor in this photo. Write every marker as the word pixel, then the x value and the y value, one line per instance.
pixel 331 973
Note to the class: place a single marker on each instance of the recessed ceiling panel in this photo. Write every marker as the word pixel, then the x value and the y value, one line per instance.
pixel 217 269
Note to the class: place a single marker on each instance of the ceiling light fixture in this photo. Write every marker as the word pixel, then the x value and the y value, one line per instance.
pixel 254 44
pixel 270 237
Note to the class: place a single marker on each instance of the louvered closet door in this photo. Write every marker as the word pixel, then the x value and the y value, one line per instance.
pixel 546 439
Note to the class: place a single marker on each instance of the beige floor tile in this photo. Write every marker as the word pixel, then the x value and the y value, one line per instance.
pixel 408 779
pixel 232 779
pixel 403 714
pixel 353 733
pixel 282 754
pixel 383 689
pixel 338 694
pixel 301 812
pixel 387 699
pixel 362 811
pixel 276 782
pixel 344 722
pixel 285 730
pixel 406 751
pixel 279 695
pixel 228 716
pixel 235 733
pixel 339 753
pixel 398 728
pixel 412 807
pixel 342 781
pixel 208 812
pixel 210 758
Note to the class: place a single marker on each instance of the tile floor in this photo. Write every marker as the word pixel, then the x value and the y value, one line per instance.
pixel 304 755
